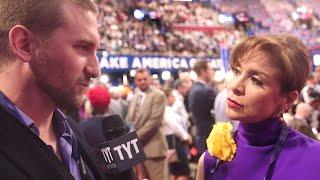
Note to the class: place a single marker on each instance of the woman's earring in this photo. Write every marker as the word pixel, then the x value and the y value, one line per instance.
pixel 280 115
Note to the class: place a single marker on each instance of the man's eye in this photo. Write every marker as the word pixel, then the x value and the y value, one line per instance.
pixel 82 48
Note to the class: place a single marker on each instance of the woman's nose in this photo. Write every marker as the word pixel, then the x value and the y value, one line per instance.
pixel 237 85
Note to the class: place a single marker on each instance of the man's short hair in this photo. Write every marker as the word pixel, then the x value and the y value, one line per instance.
pixel 39 16
pixel 143 70
pixel 200 65
pixel 167 91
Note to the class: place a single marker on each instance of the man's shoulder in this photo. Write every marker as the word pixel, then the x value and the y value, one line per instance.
pixel 198 91
pixel 155 92
pixel 196 87
pixel 8 123
pixel 295 122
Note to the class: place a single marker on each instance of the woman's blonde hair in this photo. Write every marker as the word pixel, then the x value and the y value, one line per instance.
pixel 287 53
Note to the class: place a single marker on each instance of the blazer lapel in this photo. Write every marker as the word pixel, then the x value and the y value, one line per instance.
pixel 27 151
pixel 144 107
pixel 131 108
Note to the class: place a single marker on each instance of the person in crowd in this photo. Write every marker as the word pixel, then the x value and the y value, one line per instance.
pixel 115 106
pixel 155 82
pixel 178 139
pixel 310 94
pixel 220 105
pixel 125 91
pixel 201 101
pixel 301 119
pixel 257 97
pixel 185 77
pixel 48 56
pixel 180 92
pixel 311 91
pixel 98 101
pixel 146 111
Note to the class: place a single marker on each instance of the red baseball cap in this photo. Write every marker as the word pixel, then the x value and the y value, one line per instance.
pixel 99 97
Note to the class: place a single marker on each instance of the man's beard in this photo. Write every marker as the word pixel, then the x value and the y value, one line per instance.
pixel 65 98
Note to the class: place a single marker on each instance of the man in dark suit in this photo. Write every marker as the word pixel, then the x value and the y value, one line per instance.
pixel 201 101
pixel 47 58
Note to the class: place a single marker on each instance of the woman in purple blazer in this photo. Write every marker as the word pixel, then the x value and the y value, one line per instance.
pixel 269 72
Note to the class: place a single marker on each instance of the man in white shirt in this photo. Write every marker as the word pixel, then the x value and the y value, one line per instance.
pixel 180 92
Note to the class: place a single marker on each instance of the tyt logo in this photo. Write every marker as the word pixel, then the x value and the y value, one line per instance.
pixel 121 150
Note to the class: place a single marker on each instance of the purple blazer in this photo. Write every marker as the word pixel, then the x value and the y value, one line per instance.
pixel 299 158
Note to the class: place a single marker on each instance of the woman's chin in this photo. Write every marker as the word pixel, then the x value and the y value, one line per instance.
pixel 233 115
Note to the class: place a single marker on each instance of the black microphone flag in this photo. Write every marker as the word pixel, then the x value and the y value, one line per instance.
pixel 121 153
pixel 114 150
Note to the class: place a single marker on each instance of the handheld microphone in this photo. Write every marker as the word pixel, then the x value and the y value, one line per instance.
pixel 114 150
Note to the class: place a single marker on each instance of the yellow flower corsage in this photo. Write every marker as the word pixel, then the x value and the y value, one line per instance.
pixel 220 142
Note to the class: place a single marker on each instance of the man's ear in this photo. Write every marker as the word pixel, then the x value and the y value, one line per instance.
pixel 21 42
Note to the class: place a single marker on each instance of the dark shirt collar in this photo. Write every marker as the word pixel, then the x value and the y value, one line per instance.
pixel 61 127
pixel 17 113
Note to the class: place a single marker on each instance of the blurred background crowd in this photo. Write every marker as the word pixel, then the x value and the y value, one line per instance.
pixel 176 28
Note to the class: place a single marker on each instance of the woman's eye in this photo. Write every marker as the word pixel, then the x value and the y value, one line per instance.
pixel 236 72
pixel 256 81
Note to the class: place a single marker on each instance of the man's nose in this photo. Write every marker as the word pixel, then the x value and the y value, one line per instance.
pixel 93 67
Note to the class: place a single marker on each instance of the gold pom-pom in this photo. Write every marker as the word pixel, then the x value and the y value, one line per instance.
pixel 220 142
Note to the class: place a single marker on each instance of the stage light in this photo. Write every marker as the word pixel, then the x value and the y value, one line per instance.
pixel 166 75
pixel 139 14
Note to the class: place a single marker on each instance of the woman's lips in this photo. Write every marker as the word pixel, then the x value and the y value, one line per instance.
pixel 234 104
